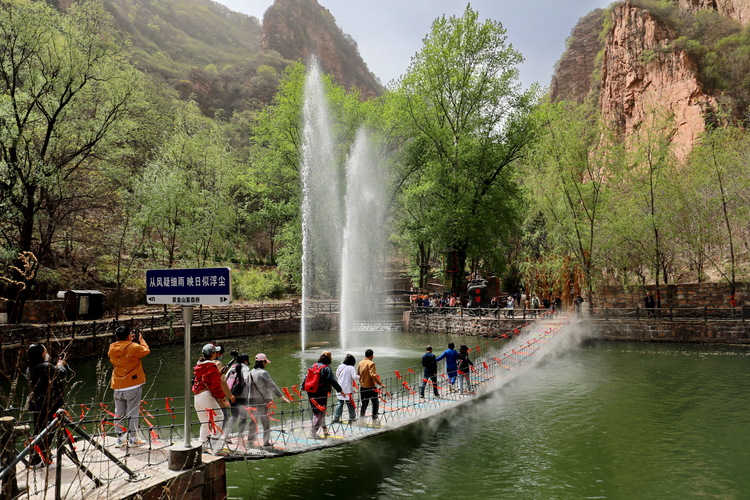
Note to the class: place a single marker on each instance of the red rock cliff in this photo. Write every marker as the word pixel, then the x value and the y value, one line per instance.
pixel 645 77
pixel 734 9
pixel 574 75
pixel 298 29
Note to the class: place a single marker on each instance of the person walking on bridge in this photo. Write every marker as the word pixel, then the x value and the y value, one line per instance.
pixel 429 362
pixel 368 379
pixel 346 374
pixel 262 390
pixel 451 366
pixel 464 364
pixel 209 398
pixel 127 382
pixel 317 383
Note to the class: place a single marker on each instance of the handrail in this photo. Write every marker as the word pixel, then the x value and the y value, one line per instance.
pixel 24 334
pixel 61 421
pixel 666 313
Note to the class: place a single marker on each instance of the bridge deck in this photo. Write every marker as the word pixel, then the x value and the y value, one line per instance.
pixel 400 407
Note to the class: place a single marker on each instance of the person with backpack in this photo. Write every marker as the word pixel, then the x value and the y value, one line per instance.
pixel 463 368
pixel 235 379
pixel 261 391
pixel 346 375
pixel 317 383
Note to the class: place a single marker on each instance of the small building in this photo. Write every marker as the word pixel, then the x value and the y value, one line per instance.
pixel 82 304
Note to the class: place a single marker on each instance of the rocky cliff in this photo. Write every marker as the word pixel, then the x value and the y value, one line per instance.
pixel 738 10
pixel 298 29
pixel 574 73
pixel 646 78
pixel 637 73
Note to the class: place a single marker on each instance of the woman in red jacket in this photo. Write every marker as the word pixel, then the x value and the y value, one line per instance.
pixel 209 398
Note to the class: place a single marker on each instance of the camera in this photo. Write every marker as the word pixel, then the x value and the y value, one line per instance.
pixel 234 354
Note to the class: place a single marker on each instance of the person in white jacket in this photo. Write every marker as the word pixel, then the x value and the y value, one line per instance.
pixel 346 374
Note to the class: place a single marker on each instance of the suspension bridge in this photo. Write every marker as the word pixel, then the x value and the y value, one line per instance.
pixel 88 465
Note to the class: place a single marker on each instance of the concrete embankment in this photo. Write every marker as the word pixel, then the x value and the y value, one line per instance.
pixel 462 325
pixel 725 331
pixel 719 331
pixel 90 346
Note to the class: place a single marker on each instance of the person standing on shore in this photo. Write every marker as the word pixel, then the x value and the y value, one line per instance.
pixel 127 382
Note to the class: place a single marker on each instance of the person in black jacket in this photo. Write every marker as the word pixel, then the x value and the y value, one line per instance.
pixel 464 372
pixel 429 362
pixel 47 396
pixel 319 398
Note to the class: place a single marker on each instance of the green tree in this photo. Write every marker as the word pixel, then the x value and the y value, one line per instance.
pixel 64 92
pixel 464 109
pixel 717 186
pixel 185 192
pixel 646 198
pixel 566 174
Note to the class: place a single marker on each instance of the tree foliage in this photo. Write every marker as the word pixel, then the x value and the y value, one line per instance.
pixel 467 119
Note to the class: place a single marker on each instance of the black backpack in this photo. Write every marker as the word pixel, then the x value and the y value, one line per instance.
pixel 235 380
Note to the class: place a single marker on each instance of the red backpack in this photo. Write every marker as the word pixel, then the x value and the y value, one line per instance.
pixel 312 380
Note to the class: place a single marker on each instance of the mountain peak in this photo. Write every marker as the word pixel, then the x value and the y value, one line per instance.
pixel 299 29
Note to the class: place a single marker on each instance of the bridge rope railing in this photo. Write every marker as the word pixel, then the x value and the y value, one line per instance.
pixel 162 419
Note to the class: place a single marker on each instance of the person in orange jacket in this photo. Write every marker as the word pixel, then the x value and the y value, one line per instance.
pixel 127 382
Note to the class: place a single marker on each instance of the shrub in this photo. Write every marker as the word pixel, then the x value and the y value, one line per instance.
pixel 254 284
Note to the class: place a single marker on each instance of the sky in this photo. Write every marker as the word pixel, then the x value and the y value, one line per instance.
pixel 390 32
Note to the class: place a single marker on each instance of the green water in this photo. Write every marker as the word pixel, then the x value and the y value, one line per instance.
pixel 604 420
pixel 600 420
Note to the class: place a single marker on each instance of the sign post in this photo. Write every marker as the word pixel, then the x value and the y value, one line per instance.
pixel 187 320
pixel 188 288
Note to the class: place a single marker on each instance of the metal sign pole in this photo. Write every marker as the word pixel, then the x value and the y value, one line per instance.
pixel 187 320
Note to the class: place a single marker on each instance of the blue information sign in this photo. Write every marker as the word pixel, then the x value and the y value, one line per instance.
pixel 189 287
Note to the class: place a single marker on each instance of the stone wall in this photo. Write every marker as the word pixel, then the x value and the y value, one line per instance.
pixel 206 482
pixel 448 324
pixel 646 330
pixel 84 347
pixel 43 311
pixel 681 295
pixel 654 330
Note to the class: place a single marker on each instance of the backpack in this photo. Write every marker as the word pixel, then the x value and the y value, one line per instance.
pixel 235 380
pixel 312 380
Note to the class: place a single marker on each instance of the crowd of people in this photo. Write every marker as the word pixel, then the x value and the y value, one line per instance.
pixel 216 389
pixel 506 305
pixel 232 400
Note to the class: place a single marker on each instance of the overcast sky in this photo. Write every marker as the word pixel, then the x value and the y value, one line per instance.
pixel 390 32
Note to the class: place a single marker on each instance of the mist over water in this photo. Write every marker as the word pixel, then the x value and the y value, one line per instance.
pixel 599 420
